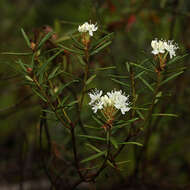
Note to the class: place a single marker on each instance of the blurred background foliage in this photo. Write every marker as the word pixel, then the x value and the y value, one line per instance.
pixel 134 23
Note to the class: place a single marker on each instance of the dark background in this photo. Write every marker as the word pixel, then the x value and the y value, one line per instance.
pixel 135 23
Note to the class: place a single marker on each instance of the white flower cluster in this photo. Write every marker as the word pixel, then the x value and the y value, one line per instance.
pixel 161 46
pixel 86 27
pixel 113 99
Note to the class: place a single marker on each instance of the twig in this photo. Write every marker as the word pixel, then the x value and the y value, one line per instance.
pixel 42 122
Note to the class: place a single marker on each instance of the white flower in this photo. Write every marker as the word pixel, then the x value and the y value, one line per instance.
pixel 170 47
pixel 95 100
pixel 95 96
pixel 86 27
pixel 159 47
pixel 114 99
pixel 120 101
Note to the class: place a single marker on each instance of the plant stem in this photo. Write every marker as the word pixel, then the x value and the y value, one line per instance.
pixel 85 77
pixel 49 102
pixel 72 129
pixel 107 155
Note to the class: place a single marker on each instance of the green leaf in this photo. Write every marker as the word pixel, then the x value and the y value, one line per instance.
pixel 93 147
pixel 141 73
pixel 125 123
pixel 29 78
pixel 14 53
pixel 92 127
pixel 118 76
pixel 93 157
pixel 33 61
pixel 137 108
pixel 176 59
pixel 22 65
pixel 127 66
pixel 145 60
pixel 165 114
pixel 119 82
pixel 72 103
pixel 105 68
pixel 64 100
pixel 92 137
pixel 38 94
pixel 25 37
pixel 123 162
pixel 81 61
pixel 101 47
pixel 43 67
pixel 158 96
pixel 146 83
pixel 140 66
pixel 65 73
pixel 108 37
pixel 65 85
pixel 41 77
pixel 171 77
pixel 48 111
pixel 140 114
pixel 71 50
pixel 44 39
pixel 135 143
pixel 52 75
pixel 97 120
pixel 80 45
pixel 90 79
pixel 114 142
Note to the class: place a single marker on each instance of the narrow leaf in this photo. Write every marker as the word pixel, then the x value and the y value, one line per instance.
pixel 25 37
pixel 122 162
pixel 140 114
pixel 21 65
pixel 140 66
pixel 114 142
pixel 80 45
pixel 101 47
pixel 64 100
pixel 127 66
pixel 93 147
pixel 44 39
pixel 97 120
pixel 105 68
pixel 92 127
pixel 146 83
pixel 81 61
pixel 72 103
pixel 126 123
pixel 119 82
pixel 165 114
pixel 48 111
pixel 93 157
pixel 141 73
pixel 171 77
pixel 14 53
pixel 71 50
pixel 92 137
pixel 90 79
pixel 53 73
pixel 135 143
pixel 105 38
pixel 33 61
pixel 65 85
pixel 176 59
pixel 43 67
pixel 38 94
pixel 118 76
